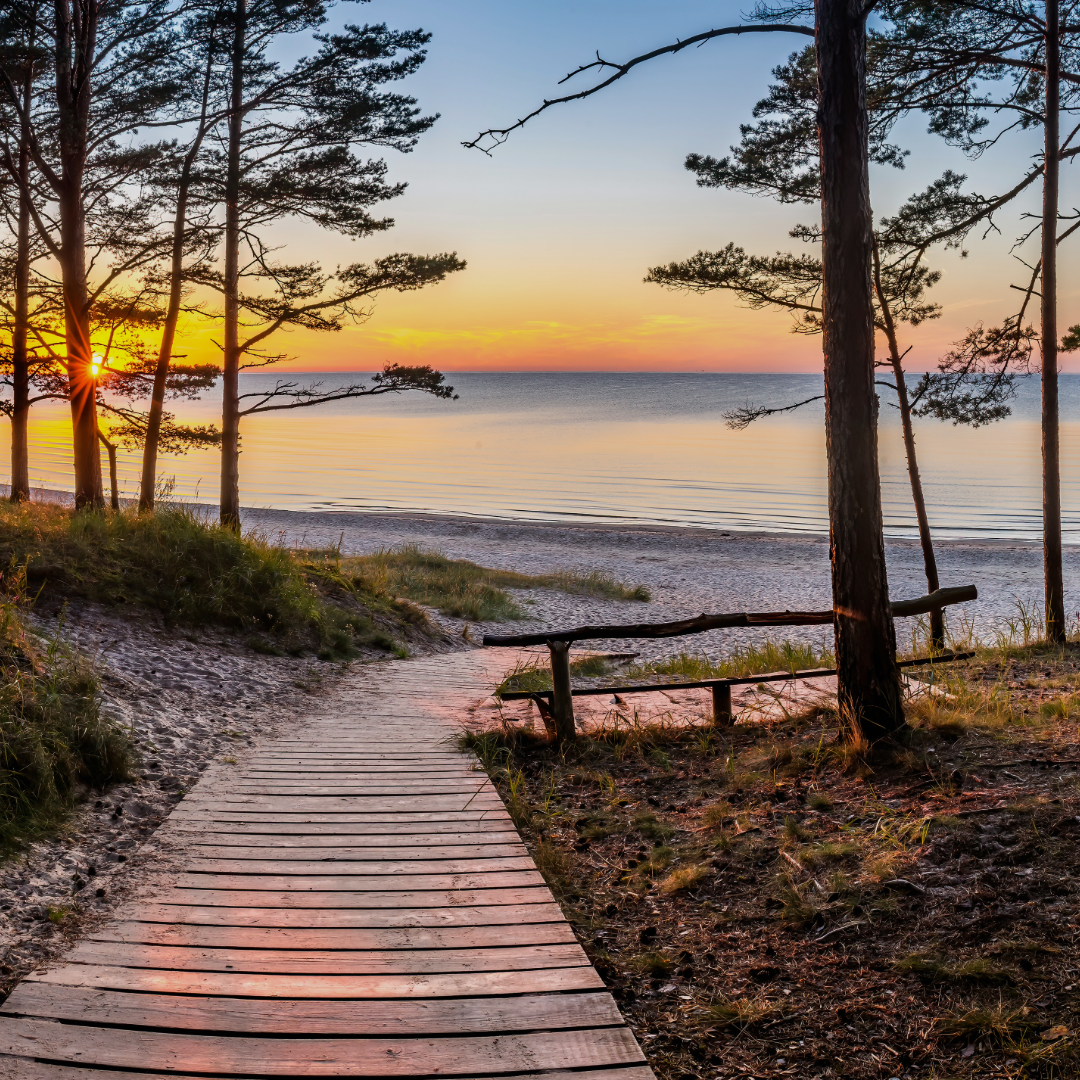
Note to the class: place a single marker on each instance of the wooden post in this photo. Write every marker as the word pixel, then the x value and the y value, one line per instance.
pixel 721 705
pixel 562 703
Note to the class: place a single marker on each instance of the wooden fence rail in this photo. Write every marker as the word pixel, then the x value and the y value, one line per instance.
pixel 558 643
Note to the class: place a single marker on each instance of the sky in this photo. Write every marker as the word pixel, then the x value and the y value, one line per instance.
pixel 560 225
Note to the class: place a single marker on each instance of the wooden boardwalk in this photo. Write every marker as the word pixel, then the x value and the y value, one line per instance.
pixel 353 900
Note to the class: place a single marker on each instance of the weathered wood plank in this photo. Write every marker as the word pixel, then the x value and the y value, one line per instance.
pixel 24 1069
pixel 375 899
pixel 357 853
pixel 346 865
pixel 370 918
pixel 403 844
pixel 356 987
pixel 316 1057
pixel 358 882
pixel 328 962
pixel 316 939
pixel 388 1019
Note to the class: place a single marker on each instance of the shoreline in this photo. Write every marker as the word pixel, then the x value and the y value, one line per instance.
pixel 688 570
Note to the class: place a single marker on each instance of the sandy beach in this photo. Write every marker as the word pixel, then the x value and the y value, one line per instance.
pixel 688 570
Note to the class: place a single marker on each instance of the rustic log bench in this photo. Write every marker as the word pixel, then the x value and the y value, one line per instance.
pixel 559 700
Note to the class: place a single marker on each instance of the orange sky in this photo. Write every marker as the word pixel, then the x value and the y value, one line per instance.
pixel 560 225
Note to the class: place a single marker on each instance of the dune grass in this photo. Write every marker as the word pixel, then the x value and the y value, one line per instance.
pixel 53 738
pixel 465 590
pixel 534 676
pixel 197 573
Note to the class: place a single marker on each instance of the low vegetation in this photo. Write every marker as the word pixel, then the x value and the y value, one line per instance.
pixel 54 742
pixel 464 590
pixel 197 573
pixel 765 900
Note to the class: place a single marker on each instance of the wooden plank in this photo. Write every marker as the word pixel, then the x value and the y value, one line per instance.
pixel 317 1057
pixel 388 1019
pixel 336 962
pixel 506 879
pixel 358 853
pixel 375 899
pixel 371 918
pixel 475 799
pixel 354 987
pixel 351 787
pixel 403 843
pixel 346 865
pixel 353 821
pixel 342 825
pixel 314 939
pixel 24 1069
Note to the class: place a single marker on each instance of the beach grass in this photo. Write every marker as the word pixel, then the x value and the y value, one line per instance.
pixel 197 573
pixel 54 742
pixel 533 676
pixel 465 590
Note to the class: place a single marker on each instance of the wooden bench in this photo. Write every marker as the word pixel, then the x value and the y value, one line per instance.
pixel 558 643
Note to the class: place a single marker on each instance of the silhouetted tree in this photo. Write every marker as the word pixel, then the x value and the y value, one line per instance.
pixel 112 75
pixel 867 677
pixel 290 150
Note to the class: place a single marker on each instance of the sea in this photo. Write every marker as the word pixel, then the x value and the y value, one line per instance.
pixel 633 448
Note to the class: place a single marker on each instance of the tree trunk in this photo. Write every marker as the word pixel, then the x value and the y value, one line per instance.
pixel 76 37
pixel 937 617
pixel 230 405
pixel 868 683
pixel 148 481
pixel 1052 572
pixel 20 363
pixel 110 449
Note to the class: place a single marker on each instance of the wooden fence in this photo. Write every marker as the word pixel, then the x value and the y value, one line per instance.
pixel 559 641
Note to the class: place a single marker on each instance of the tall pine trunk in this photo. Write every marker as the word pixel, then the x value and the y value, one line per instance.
pixel 20 361
pixel 230 404
pixel 1052 571
pixel 148 481
pixel 937 617
pixel 868 684
pixel 76 37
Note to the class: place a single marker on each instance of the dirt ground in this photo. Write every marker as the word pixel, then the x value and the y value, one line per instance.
pixel 765 902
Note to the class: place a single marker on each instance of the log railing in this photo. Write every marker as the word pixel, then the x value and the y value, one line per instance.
pixel 558 643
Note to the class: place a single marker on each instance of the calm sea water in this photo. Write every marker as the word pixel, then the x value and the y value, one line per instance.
pixel 641 448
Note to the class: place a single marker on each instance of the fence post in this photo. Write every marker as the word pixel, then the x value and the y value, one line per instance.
pixel 562 703
pixel 721 705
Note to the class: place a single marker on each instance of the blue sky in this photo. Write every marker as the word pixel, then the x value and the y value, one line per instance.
pixel 560 224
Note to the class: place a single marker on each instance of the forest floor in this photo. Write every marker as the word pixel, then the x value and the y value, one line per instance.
pixel 766 902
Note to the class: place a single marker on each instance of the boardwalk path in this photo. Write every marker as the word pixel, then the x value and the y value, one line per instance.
pixel 352 900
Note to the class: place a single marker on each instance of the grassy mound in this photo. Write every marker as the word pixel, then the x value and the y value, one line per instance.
pixel 53 739
pixel 198 573
pixel 464 590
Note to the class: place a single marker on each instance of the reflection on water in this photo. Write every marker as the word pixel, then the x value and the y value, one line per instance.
pixel 647 448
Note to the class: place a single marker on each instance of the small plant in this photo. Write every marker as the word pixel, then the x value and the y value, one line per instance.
pixel 58 914
pixel 794 831
pixel 831 852
pixel 656 964
pixel 738 1012
pixel 651 828
pixel 684 879
pixel 715 816
pixel 819 801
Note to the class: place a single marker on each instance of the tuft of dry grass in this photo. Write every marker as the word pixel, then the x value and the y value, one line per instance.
pixel 684 879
